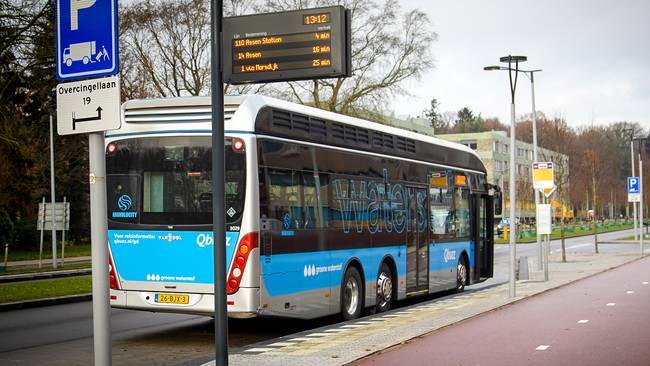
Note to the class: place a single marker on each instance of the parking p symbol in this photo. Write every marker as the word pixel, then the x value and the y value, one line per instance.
pixel 75 6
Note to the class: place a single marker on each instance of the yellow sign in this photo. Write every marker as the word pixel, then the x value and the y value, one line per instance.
pixel 543 175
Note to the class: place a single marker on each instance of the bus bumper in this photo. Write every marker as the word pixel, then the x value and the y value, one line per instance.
pixel 242 304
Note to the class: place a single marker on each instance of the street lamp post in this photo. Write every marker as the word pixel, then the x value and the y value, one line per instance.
pixel 631 132
pixel 641 233
pixel 511 187
pixel 530 74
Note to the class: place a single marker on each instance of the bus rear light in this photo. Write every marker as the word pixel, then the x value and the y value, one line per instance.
pixel 236 272
pixel 112 275
pixel 238 145
pixel 111 149
pixel 231 303
pixel 246 244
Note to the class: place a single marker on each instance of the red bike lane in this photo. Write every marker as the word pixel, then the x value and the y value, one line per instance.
pixel 601 320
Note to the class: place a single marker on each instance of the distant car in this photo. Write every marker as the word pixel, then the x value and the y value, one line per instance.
pixel 505 222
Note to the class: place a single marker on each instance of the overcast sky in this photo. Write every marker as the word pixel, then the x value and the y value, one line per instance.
pixel 595 57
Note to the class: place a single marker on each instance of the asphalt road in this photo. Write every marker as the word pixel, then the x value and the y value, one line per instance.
pixel 602 320
pixel 62 334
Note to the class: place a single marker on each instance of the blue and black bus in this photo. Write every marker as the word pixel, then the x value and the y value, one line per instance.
pixel 325 213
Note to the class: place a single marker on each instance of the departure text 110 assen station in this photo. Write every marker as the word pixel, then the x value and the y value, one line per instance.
pixel 282 52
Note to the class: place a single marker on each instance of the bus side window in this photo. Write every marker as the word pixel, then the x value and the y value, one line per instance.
pixel 315 200
pixel 285 199
pixel 441 206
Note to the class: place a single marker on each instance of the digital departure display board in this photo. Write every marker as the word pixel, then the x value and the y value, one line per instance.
pixel 294 45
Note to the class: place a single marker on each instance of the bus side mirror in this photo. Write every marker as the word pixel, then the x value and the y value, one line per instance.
pixel 498 203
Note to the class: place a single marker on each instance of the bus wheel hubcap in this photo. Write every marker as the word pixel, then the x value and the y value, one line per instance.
pixel 384 288
pixel 462 274
pixel 351 296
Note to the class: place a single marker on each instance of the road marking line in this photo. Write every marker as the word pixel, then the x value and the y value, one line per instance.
pixel 611 303
pixel 583 321
pixel 378 319
pixel 542 347
pixel 390 316
pixel 317 334
pixel 645 282
pixel 629 292
pixel 351 326
pixel 300 339
pixel 259 349
pixel 337 330
pixel 281 344
pixel 363 322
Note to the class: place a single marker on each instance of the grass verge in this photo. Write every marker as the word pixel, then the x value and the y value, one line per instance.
pixel 47 267
pixel 568 234
pixel 76 250
pixel 34 290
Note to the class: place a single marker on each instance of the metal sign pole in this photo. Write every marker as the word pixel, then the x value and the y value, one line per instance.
pixel 633 175
pixel 42 228
pixel 99 250
pixel 65 220
pixel 218 219
pixel 52 193
pixel 547 245
pixel 641 234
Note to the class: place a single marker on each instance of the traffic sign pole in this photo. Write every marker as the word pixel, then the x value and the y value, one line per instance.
pixel 641 234
pixel 99 250
pixel 218 219
pixel 52 193
pixel 633 203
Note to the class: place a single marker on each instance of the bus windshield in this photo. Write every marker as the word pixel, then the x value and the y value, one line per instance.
pixel 168 181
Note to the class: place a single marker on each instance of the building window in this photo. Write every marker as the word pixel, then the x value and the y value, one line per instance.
pixel 471 144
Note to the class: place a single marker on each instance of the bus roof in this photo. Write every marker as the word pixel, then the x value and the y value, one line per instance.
pixel 193 114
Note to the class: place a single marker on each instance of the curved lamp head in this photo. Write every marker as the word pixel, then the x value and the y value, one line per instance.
pixel 510 59
pixel 493 68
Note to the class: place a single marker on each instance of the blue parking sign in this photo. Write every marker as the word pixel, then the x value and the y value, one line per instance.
pixel 633 185
pixel 86 38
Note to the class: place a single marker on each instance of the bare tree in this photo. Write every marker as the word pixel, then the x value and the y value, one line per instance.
pixel 388 48
pixel 166 46
pixel 564 137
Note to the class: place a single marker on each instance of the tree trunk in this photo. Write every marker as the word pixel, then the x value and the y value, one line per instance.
pixel 594 201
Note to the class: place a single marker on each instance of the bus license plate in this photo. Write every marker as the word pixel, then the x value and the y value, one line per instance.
pixel 172 299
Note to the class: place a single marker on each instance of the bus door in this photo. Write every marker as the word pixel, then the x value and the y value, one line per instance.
pixel 417 245
pixel 483 231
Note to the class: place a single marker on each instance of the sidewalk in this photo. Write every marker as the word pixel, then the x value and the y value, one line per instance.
pixel 342 343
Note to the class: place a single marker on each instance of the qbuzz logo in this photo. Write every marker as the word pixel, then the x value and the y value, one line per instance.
pixel 205 240
pixel 286 221
pixel 449 255
pixel 124 202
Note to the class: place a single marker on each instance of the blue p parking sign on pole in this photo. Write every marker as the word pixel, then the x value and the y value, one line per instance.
pixel 633 191
pixel 86 39
pixel 633 185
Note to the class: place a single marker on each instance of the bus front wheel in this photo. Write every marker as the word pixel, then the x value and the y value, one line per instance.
pixel 384 289
pixel 351 294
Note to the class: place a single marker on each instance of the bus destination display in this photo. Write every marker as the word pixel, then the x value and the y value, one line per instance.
pixel 296 45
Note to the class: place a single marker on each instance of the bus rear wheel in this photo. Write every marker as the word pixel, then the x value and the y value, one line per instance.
pixel 461 274
pixel 351 294
pixel 384 289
